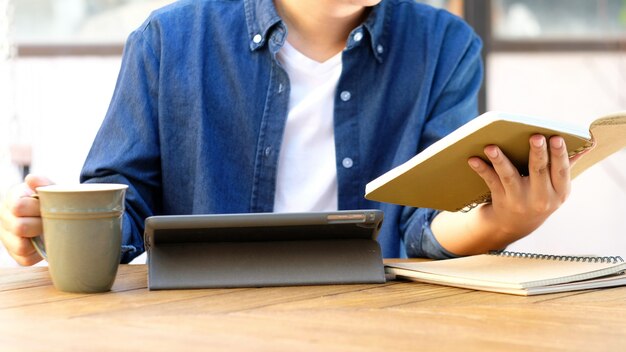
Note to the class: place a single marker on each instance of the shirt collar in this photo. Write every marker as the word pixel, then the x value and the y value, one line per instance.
pixel 376 24
pixel 261 18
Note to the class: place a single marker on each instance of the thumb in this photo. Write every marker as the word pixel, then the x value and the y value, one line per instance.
pixel 34 181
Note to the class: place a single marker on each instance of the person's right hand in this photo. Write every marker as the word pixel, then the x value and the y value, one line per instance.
pixel 20 220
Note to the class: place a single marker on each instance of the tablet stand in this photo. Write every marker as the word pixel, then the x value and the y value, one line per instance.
pixel 272 263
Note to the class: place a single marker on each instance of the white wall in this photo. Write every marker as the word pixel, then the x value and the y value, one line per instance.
pixel 60 104
pixel 64 102
pixel 577 87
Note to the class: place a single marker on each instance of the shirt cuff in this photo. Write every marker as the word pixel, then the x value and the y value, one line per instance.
pixel 420 241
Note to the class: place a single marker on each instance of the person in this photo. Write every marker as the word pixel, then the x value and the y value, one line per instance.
pixel 294 105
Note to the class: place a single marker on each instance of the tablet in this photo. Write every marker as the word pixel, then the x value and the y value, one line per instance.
pixel 263 249
pixel 263 227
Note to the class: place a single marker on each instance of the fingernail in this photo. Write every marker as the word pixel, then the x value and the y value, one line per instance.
pixel 491 152
pixel 537 141
pixel 556 142
pixel 473 163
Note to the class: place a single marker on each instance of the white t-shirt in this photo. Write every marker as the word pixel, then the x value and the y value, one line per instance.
pixel 307 174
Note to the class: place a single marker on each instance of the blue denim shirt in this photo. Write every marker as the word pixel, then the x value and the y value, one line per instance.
pixel 197 116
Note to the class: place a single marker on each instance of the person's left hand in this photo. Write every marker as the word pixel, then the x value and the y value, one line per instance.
pixel 519 204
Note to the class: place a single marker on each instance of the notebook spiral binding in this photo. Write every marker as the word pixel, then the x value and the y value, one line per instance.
pixel 606 259
pixel 485 198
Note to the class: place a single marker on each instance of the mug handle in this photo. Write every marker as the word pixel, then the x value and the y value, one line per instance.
pixel 37 241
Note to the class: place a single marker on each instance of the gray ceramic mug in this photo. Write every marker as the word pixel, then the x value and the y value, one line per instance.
pixel 82 234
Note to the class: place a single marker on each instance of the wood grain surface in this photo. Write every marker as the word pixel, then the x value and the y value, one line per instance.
pixel 396 316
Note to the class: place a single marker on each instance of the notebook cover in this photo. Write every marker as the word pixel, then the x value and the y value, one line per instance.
pixel 440 177
pixel 609 137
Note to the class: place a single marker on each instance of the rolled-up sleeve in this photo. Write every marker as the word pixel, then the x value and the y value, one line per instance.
pixel 419 238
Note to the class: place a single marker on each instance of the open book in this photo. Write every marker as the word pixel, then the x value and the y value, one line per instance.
pixel 440 178
pixel 517 273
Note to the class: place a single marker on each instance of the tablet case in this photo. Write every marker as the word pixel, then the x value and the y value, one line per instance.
pixel 263 249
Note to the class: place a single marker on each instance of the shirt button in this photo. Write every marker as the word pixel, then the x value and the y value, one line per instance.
pixel 347 163
pixel 358 36
pixel 268 151
pixel 345 95
pixel 380 49
pixel 257 38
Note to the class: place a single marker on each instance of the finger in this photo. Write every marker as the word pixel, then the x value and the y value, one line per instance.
pixel 538 169
pixel 507 173
pixel 22 226
pixel 16 192
pixel 18 202
pixel 560 167
pixel 34 181
pixel 488 174
pixel 20 248
pixel 25 207
pixel 28 260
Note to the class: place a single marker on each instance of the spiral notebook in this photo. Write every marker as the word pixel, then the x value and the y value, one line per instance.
pixel 517 273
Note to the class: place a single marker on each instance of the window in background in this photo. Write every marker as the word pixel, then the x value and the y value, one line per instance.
pixel 564 59
pixel 49 27
pixel 558 24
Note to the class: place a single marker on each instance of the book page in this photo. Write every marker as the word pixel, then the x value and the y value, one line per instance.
pixel 609 137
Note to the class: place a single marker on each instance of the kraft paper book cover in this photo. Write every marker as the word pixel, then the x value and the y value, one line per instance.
pixel 440 178
pixel 517 273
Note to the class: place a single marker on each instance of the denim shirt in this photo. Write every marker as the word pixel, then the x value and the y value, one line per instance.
pixel 197 116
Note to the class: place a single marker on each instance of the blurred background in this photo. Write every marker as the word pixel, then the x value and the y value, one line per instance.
pixel 559 59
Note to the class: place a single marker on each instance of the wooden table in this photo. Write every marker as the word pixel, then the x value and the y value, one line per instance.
pixel 396 316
